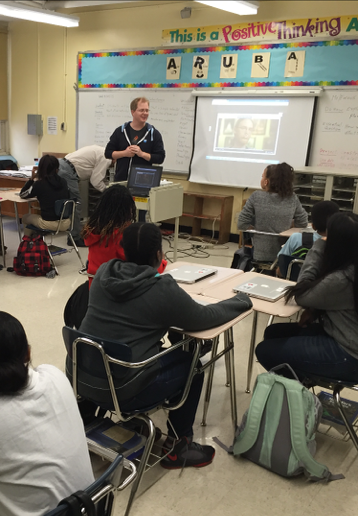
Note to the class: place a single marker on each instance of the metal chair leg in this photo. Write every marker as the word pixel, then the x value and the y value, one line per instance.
pixel 76 249
pixel 209 383
pixel 227 368
pixel 337 398
pixel 229 340
pixel 251 352
pixel 2 238
pixel 143 460
pixel 270 321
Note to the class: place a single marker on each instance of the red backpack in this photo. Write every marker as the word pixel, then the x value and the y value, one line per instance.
pixel 32 257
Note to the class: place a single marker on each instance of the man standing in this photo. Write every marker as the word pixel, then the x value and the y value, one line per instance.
pixel 135 142
pixel 85 163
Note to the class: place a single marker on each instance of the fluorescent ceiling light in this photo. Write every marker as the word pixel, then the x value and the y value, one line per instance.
pixel 12 10
pixel 238 7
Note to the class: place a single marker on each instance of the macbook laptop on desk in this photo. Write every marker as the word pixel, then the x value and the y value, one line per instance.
pixel 141 179
pixel 262 287
pixel 191 273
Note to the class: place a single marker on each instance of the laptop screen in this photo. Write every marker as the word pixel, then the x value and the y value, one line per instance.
pixel 143 177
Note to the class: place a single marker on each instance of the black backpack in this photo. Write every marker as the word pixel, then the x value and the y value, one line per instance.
pixel 307 243
pixel 243 259
pixel 8 164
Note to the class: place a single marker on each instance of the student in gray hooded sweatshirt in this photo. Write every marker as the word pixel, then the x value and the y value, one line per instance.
pixel 130 302
pixel 325 342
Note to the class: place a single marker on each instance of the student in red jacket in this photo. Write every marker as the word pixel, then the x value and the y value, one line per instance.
pixel 102 234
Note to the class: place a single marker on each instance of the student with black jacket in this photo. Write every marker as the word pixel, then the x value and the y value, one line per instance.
pixel 48 187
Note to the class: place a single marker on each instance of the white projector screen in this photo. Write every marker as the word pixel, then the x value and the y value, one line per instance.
pixel 237 138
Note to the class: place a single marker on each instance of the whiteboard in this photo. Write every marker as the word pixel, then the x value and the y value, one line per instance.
pixel 335 135
pixel 100 112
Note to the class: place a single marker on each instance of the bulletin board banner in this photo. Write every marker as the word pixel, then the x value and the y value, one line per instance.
pixel 307 29
pixel 318 63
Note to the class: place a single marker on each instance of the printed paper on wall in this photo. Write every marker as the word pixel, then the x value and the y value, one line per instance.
pixel 228 68
pixel 173 68
pixel 260 64
pixel 295 63
pixel 200 67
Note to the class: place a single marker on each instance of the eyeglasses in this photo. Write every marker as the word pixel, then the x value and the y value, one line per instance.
pixel 143 111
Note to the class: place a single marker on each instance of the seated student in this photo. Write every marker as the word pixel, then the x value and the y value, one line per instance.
pixel 48 187
pixel 132 303
pixel 43 449
pixel 320 213
pixel 103 232
pixel 272 210
pixel 324 343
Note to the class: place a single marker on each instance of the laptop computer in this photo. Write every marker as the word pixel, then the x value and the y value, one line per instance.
pixel 141 179
pixel 191 273
pixel 263 287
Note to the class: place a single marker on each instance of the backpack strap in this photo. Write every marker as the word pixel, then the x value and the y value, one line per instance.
pixel 307 239
pixel 316 471
pixel 247 438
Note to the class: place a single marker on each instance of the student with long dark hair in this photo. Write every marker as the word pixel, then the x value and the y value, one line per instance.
pixel 130 302
pixel 103 232
pixel 325 342
pixel 272 210
pixel 48 187
pixel 43 450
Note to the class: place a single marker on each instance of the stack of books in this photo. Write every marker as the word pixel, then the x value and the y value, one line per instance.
pixel 331 415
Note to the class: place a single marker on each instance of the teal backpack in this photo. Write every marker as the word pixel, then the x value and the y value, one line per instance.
pixel 278 430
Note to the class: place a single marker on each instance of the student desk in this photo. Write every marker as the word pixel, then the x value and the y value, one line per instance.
pixel 12 196
pixel 224 290
pixel 195 290
pixel 223 273
pixel 228 351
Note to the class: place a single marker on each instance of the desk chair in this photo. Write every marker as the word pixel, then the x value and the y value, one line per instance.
pixel 262 265
pixel 64 209
pixel 336 386
pixel 289 266
pixel 98 377
pixel 97 499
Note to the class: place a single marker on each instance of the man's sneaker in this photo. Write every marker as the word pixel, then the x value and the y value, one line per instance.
pixel 187 454
pixel 78 241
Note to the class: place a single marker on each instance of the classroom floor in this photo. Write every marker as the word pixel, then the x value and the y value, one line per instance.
pixel 227 487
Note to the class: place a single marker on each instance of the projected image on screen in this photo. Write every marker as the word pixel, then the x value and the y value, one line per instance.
pixel 248 133
pixel 236 138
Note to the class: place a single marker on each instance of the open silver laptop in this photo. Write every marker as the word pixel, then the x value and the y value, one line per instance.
pixel 191 273
pixel 263 287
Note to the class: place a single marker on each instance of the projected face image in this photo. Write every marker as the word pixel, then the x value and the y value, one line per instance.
pixel 242 133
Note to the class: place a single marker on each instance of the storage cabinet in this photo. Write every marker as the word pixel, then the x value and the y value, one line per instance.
pixel 312 185
pixel 223 214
